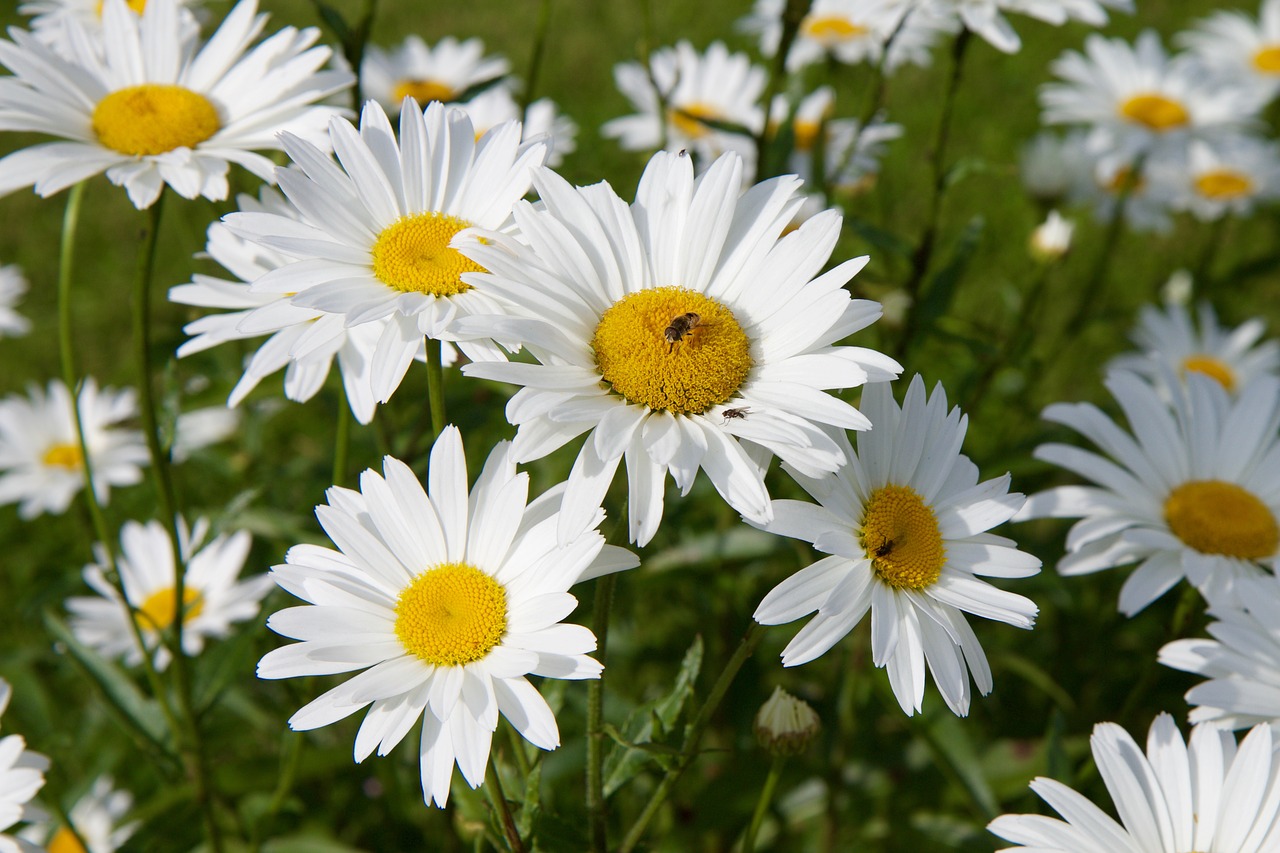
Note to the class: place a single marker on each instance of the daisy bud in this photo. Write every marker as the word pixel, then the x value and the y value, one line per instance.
pixel 1052 238
pixel 1177 290
pixel 785 725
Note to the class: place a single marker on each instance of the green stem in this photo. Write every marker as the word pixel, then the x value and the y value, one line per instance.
pixel 792 17
pixel 1208 254
pixel 1014 345
pixel 693 735
pixel 523 765
pixel 498 799
pixel 535 60
pixel 1102 263
pixel 762 804
pixel 435 387
pixel 605 587
pixel 341 443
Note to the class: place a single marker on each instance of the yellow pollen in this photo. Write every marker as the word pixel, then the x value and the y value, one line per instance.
pixel 1268 59
pixel 654 354
pixel 424 91
pixel 412 255
pixel 64 456
pixel 831 29
pixel 138 7
pixel 1223 184
pixel 1155 112
pixel 158 611
pixel 900 534
pixel 154 118
pixel 688 119
pixel 451 615
pixel 64 841
pixel 1215 517
pixel 1215 368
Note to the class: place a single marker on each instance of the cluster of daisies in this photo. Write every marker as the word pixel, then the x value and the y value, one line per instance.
pixel 1150 134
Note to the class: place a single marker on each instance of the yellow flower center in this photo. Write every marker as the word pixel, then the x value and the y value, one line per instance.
pixel 1215 368
pixel 1155 112
pixel 1223 184
pixel 1215 517
pixel 424 91
pixel 64 456
pixel 138 7
pixel 154 118
pixel 1268 59
pixel 831 29
pixel 65 841
pixel 159 610
pixel 451 615
pixel 688 119
pixel 900 534
pixel 412 254
pixel 672 349
pixel 806 134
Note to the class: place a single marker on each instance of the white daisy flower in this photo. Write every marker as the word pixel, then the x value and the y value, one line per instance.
pixel 21 776
pixel 212 596
pixel 854 152
pixel 49 19
pixel 97 818
pixel 447 600
pixel 446 72
pixel 984 17
pixel 1103 184
pixel 1172 344
pixel 1241 49
pixel 154 107
pixel 1139 101
pixel 1229 177
pixel 1242 661
pixel 542 121
pixel 694 88
pixel 374 242
pixel 41 466
pixel 905 524
pixel 1193 492
pixel 849 31
pixel 680 333
pixel 13 284
pixel 1207 795
pixel 200 428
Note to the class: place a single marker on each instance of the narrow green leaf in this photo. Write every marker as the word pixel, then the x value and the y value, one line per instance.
pixel 943 285
pixel 953 747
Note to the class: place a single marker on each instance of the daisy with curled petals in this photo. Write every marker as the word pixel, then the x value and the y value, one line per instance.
pixel 21 776
pixel 1240 48
pixel 679 333
pixel 13 284
pixel 1193 490
pixel 151 106
pixel 447 600
pixel 444 72
pixel 1241 662
pixel 41 464
pixel 1199 797
pixel 1173 344
pixel 212 596
pixel 905 525
pixel 374 242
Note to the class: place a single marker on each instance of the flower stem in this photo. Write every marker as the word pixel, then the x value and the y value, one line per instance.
pixel 498 799
pixel 762 804
pixel 535 59
pixel 792 16
pixel 435 387
pixel 605 587
pixel 693 735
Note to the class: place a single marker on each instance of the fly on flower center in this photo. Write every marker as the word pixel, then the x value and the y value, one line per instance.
pixel 672 349
pixel 689 119
pixel 1155 112
pixel 413 255
pixel 424 91
pixel 159 610
pixel 64 455
pixel 1267 59
pixel 900 534
pixel 451 615
pixel 1216 517
pixel 1223 184
pixel 831 29
pixel 1214 368
pixel 154 118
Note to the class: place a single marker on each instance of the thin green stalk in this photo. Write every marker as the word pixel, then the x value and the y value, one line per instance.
pixel 597 824
pixel 693 735
pixel 498 799
pixel 435 387
pixel 1102 263
pixel 535 60
pixel 1015 344
pixel 762 804
pixel 1208 254
pixel 523 765
pixel 341 443
pixel 792 16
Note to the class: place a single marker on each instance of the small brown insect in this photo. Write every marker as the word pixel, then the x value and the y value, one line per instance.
pixel 681 326
pixel 739 413
pixel 885 548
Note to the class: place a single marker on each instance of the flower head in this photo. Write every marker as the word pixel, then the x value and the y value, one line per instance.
pixel 1229 177
pixel 905 526
pixel 542 121
pixel 1241 49
pixel 21 776
pixel 984 17
pixel 12 286
pixel 153 107
pixel 682 332
pixel 97 818
pixel 447 599
pixel 446 72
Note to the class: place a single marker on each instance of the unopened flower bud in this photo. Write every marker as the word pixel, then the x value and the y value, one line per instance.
pixel 785 725
pixel 1052 238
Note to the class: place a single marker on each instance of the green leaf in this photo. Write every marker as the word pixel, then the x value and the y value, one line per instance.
pixel 636 745
pixel 880 239
pixel 307 844
pixel 333 20
pixel 952 745
pixel 945 282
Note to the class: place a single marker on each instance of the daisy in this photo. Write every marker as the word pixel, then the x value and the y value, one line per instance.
pixel 1229 177
pixel 212 597
pixel 905 524
pixel 96 817
pixel 199 428
pixel 1193 492
pixel 374 242
pixel 1241 662
pixel 693 89
pixel 21 776
pixel 447 72
pixel 1138 101
pixel 50 17
pixel 848 31
pixel 1128 187
pixel 542 121
pixel 1176 798
pixel 1172 344
pixel 853 153
pixel 153 107
pixel 1241 49
pixel 449 599
pixel 679 333
pixel 984 17
pixel 41 466
pixel 13 284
